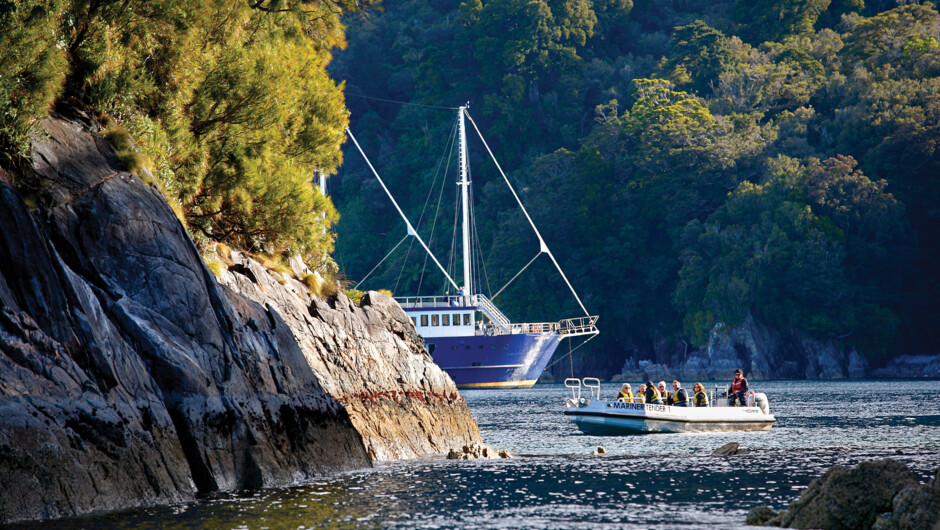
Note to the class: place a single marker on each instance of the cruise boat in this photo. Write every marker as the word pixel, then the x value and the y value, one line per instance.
pixel 596 416
pixel 464 331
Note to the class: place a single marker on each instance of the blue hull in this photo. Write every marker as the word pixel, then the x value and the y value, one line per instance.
pixel 500 361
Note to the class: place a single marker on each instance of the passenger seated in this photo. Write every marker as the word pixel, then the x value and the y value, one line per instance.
pixel 737 392
pixel 662 391
pixel 641 394
pixel 652 394
pixel 679 397
pixel 701 397
pixel 625 396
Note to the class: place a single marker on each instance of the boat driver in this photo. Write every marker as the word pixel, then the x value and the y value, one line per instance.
pixel 738 391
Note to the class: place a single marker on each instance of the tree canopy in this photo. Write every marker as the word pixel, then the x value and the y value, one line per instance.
pixel 694 163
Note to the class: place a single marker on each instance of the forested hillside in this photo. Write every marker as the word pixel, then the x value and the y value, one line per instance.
pixel 690 162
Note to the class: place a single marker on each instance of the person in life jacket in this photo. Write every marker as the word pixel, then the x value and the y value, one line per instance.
pixel 661 386
pixel 652 394
pixel 738 391
pixel 641 394
pixel 680 398
pixel 701 397
pixel 625 394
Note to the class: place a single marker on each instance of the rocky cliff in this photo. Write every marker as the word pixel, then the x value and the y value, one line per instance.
pixel 130 376
pixel 762 352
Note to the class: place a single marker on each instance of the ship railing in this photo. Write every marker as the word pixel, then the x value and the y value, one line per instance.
pixel 493 313
pixel 411 302
pixel 573 327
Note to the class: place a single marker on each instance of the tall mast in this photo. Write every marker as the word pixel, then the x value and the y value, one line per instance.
pixel 465 205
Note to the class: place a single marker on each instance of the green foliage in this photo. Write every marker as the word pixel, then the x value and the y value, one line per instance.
pixel 773 20
pixel 228 102
pixel 32 69
pixel 693 162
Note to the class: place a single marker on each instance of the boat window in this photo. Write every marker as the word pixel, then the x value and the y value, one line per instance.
pixel 414 321
pixel 481 346
pixel 424 320
pixel 454 347
pixel 505 346
pixel 456 319
pixel 435 320
pixel 466 319
pixel 431 347
pixel 445 319
pixel 476 364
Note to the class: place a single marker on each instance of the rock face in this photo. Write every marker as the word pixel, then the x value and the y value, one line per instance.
pixel 761 352
pixel 910 366
pixel 880 494
pixel 129 376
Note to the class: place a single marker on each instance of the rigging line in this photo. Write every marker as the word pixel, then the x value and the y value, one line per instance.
pixel 544 247
pixel 411 230
pixel 363 96
pixel 380 262
pixel 445 155
pixel 570 352
pixel 452 258
pixel 479 247
pixel 401 271
pixel 516 276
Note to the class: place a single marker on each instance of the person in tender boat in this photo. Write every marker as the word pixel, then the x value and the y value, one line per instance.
pixel 700 397
pixel 652 394
pixel 661 386
pixel 679 396
pixel 641 394
pixel 738 391
pixel 625 394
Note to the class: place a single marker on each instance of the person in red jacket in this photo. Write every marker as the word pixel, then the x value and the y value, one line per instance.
pixel 737 393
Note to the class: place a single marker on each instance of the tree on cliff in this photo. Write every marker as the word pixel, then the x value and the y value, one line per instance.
pixel 229 101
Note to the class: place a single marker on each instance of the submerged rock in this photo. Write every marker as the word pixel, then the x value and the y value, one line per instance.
pixel 730 449
pixel 130 377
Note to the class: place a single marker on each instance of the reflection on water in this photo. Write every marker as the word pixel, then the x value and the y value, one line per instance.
pixel 658 481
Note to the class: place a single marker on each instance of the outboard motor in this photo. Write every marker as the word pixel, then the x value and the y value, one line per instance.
pixel 760 399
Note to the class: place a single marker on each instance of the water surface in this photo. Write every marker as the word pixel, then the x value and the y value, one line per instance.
pixel 653 481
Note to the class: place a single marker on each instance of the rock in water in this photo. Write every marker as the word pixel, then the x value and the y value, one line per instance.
pixel 475 451
pixel 130 377
pixel 760 516
pixel 729 449
pixel 884 493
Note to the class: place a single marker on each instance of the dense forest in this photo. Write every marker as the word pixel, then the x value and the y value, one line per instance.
pixel 690 162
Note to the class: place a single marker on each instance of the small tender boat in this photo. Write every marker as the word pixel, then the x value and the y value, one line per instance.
pixel 597 416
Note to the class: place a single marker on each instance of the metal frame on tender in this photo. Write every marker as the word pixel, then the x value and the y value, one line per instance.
pixel 593 385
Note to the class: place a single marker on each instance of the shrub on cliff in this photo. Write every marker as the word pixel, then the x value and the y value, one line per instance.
pixel 229 101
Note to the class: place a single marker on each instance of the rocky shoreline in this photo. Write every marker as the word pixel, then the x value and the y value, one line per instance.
pixel 764 353
pixel 130 376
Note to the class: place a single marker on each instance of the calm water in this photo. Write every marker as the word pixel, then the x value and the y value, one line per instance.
pixel 656 481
